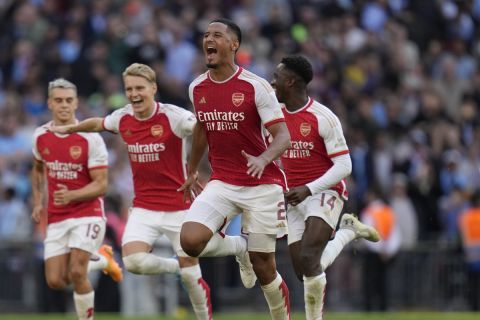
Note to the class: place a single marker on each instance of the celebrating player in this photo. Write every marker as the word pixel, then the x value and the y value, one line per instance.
pixel 233 106
pixel 316 165
pixel 76 171
pixel 154 136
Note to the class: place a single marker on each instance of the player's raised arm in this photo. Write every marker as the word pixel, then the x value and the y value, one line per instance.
pixel 88 125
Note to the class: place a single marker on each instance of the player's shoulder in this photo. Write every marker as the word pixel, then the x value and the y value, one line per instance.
pixel 93 138
pixel 42 129
pixel 124 111
pixel 321 111
pixel 199 79
pixel 172 110
pixel 255 80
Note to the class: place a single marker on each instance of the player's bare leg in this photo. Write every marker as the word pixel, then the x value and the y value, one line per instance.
pixel 83 294
pixel 275 290
pixel 315 237
pixel 56 271
pixel 138 259
pixel 197 287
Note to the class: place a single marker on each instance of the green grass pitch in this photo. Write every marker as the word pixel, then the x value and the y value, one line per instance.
pixel 258 316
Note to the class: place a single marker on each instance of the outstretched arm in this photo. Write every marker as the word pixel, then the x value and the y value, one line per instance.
pixel 280 143
pixel 199 145
pixel 88 125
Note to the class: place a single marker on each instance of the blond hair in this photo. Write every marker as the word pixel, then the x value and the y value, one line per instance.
pixel 62 84
pixel 140 70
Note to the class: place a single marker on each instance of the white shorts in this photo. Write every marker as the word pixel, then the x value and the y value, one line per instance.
pixel 81 233
pixel 147 226
pixel 327 205
pixel 262 207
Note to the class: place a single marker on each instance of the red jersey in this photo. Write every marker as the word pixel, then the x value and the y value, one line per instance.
pixel 157 153
pixel 317 136
pixel 68 160
pixel 234 113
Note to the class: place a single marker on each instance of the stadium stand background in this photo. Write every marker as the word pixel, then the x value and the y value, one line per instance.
pixel 402 76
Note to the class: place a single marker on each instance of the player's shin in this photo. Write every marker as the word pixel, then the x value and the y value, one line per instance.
pixel 314 293
pixel 335 246
pixel 277 296
pixel 198 291
pixel 148 263
pixel 221 246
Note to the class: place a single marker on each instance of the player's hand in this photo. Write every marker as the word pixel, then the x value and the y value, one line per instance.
pixel 191 188
pixel 297 195
pixel 37 213
pixel 61 196
pixel 60 129
pixel 255 165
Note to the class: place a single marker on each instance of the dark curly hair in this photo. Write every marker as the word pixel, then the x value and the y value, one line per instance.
pixel 300 66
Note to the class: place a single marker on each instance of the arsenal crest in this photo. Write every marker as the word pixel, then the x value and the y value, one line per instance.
pixel 237 98
pixel 75 152
pixel 156 130
pixel 305 129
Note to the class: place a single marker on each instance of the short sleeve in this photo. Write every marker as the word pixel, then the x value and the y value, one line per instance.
pixel 332 133
pixel 97 151
pixel 38 132
pixel 181 120
pixel 267 104
pixel 112 121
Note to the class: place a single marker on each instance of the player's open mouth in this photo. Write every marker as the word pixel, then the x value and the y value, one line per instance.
pixel 211 51
pixel 137 103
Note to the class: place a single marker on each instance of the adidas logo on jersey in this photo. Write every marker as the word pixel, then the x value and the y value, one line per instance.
pixel 202 100
pixel 46 151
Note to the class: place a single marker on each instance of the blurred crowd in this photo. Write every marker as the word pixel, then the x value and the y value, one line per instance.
pixel 402 75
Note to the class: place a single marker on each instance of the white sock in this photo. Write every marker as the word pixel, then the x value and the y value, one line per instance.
pixel 148 263
pixel 198 292
pixel 276 294
pixel 99 262
pixel 84 305
pixel 219 246
pixel 335 246
pixel 314 293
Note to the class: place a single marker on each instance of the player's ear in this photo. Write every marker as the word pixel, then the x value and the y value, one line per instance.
pixel 154 88
pixel 235 45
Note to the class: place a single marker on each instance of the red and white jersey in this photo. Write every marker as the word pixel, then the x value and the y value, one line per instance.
pixel 68 160
pixel 234 113
pixel 157 153
pixel 317 136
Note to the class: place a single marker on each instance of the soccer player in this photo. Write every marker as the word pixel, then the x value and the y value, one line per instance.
pixel 233 106
pixel 316 165
pixel 76 173
pixel 154 135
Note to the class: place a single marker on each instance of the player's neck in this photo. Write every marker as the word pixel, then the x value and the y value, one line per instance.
pixel 58 122
pixel 223 72
pixel 296 102
pixel 147 113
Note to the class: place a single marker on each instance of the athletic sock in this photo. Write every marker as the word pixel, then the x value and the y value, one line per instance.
pixel 219 246
pixel 335 246
pixel 198 292
pixel 148 263
pixel 84 305
pixel 99 262
pixel 276 294
pixel 314 292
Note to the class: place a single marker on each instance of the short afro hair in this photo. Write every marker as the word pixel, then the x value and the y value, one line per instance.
pixel 232 26
pixel 300 66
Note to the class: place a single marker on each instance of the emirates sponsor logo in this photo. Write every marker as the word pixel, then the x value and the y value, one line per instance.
pixel 237 98
pixel 305 129
pixel 157 130
pixel 75 152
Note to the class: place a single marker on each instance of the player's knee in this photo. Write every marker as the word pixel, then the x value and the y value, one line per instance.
pixel 191 245
pixel 133 262
pixel 56 282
